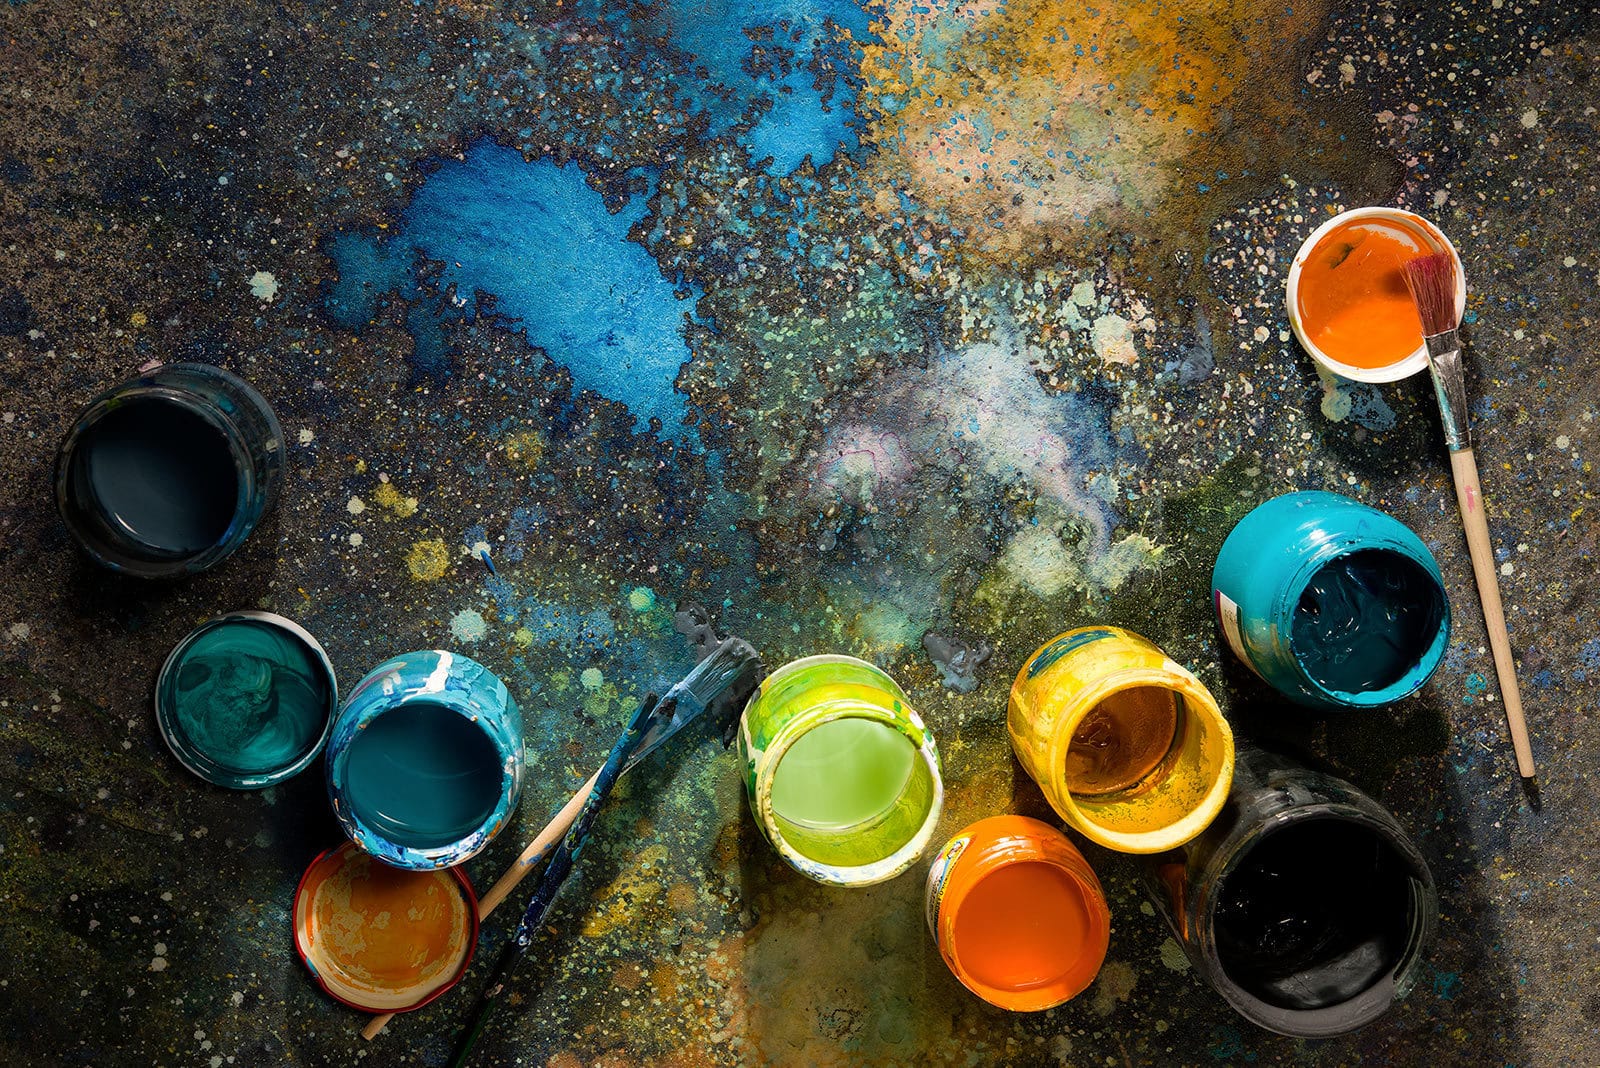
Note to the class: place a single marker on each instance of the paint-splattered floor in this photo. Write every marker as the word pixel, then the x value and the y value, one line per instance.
pixel 856 324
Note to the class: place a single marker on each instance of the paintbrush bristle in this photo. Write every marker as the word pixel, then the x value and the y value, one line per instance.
pixel 721 668
pixel 1432 281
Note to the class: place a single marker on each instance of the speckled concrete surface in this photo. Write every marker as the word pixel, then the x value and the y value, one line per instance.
pixel 852 323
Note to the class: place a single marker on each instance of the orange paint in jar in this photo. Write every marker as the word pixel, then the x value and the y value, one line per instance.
pixel 1017 913
pixel 1353 301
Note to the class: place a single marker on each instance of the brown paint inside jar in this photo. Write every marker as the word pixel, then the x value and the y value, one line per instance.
pixel 1123 741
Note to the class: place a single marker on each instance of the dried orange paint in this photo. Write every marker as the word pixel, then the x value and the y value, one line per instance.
pixel 1353 301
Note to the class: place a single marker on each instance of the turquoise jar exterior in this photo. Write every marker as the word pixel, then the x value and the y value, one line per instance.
pixel 1272 556
pixel 443 686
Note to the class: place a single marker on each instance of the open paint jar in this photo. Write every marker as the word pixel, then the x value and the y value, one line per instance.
pixel 1347 298
pixel 1018 913
pixel 842 776
pixel 425 760
pixel 1333 603
pixel 383 939
pixel 246 700
pixel 1128 746
pixel 1306 905
pixel 168 473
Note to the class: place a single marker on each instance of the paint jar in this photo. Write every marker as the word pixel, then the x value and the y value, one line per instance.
pixel 1018 913
pixel 1129 748
pixel 1347 299
pixel 1333 603
pixel 425 760
pixel 383 939
pixel 1305 905
pixel 168 473
pixel 842 776
pixel 246 700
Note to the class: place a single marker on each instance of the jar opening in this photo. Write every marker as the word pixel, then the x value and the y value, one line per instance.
pixel 1366 620
pixel 1126 743
pixel 1026 927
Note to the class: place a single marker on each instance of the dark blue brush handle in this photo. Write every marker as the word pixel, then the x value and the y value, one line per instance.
pixel 555 873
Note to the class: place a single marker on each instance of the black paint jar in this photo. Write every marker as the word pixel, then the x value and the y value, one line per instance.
pixel 1304 904
pixel 168 473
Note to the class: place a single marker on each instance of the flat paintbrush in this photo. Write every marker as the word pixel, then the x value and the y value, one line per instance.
pixel 1432 281
pixel 729 663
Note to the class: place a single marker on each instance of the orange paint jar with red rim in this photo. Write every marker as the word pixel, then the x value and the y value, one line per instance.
pixel 1017 913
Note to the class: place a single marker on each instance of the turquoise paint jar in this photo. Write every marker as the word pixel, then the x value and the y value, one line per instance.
pixel 246 700
pixel 1335 604
pixel 168 473
pixel 425 760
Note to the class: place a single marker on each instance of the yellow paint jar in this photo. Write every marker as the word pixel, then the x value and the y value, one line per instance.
pixel 1128 746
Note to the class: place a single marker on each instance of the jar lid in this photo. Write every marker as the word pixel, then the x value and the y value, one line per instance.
pixel 246 700
pixel 380 938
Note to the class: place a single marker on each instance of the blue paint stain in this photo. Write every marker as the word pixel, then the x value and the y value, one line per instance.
pixel 1590 653
pixel 1446 985
pixel 532 244
pixel 776 74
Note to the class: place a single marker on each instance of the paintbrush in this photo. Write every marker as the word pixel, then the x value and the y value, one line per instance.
pixel 1432 281
pixel 722 710
pixel 732 663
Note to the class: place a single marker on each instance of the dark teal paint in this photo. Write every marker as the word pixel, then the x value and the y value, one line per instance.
pixel 1365 620
pixel 1061 647
pixel 161 475
pixel 248 697
pixel 422 775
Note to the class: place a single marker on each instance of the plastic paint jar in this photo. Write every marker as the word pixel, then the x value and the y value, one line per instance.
pixel 1305 905
pixel 1347 299
pixel 425 760
pixel 383 939
pixel 1129 748
pixel 1017 913
pixel 246 700
pixel 168 473
pixel 1335 604
pixel 842 776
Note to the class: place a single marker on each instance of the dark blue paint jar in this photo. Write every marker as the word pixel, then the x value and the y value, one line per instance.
pixel 425 760
pixel 1305 904
pixel 168 473
pixel 1335 604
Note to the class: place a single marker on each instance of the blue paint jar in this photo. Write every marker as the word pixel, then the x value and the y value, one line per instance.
pixel 168 473
pixel 425 760
pixel 1335 604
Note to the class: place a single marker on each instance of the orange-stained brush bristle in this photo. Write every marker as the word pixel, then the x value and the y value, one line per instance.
pixel 1432 281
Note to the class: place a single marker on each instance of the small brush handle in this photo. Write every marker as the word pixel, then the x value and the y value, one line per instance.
pixel 555 874
pixel 1469 496
pixel 542 844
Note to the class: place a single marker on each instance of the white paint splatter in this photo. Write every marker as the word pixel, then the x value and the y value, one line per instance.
pixel 1083 294
pixel 1112 336
pixel 18 632
pixel 468 625
pixel 591 678
pixel 1530 119
pixel 1037 560
pixel 263 286
pixel 158 964
pixel 306 436
pixel 356 506
pixel 1563 443
pixel 356 539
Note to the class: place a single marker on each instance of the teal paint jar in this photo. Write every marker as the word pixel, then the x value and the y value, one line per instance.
pixel 168 473
pixel 246 700
pixel 425 760
pixel 1334 604
pixel 1305 904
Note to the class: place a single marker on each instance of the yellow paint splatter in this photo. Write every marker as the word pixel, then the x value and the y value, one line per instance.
pixel 526 448
pixel 622 902
pixel 138 319
pixel 388 497
pixel 428 560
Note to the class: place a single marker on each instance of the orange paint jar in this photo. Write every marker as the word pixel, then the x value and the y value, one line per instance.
pixel 1017 913
pixel 1347 298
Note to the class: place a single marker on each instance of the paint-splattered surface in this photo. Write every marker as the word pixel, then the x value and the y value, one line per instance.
pixel 874 328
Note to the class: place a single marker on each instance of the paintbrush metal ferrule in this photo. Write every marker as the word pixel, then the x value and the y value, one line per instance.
pixel 1450 387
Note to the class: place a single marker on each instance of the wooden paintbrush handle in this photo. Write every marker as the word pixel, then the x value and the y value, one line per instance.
pixel 542 844
pixel 1470 498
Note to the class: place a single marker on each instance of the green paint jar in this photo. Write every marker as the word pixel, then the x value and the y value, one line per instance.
pixel 246 700
pixel 842 775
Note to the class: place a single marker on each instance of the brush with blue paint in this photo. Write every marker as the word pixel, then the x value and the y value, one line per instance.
pixel 729 670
